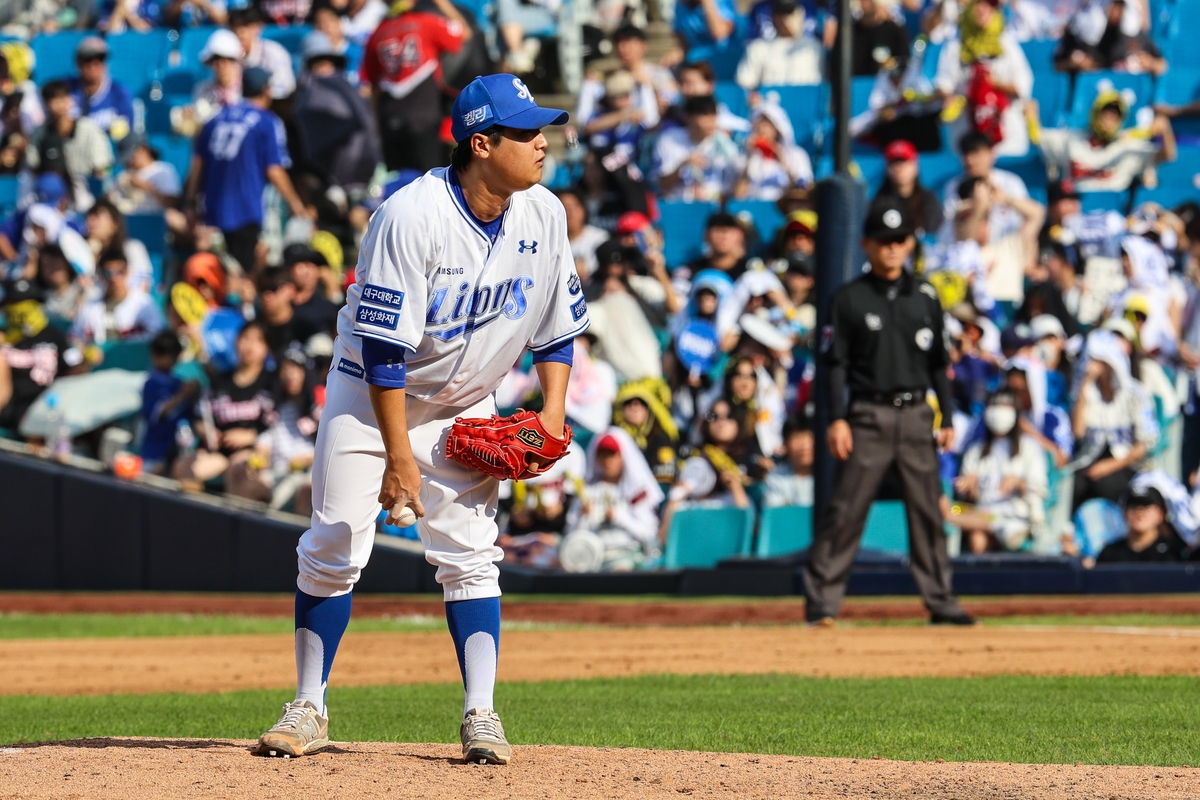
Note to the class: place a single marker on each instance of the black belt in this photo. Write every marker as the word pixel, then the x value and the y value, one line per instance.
pixel 899 399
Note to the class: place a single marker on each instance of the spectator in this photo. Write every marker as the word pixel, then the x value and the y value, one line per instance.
pixel 774 163
pixel 76 148
pixel 902 105
pixel 237 152
pixel 698 80
pixel 314 311
pixel 655 85
pixel 1050 354
pixel 987 68
pixel 973 370
pixel 725 243
pixel 122 314
pixel 1005 478
pixel 717 474
pixel 33 352
pixel 979 161
pixel 64 292
pixel 241 405
pixel 1056 289
pixel 791 482
pixel 591 388
pixel 286 12
pixel 792 58
pixel 281 325
pixel 584 238
pixel 406 92
pixel 702 27
pixel 205 273
pixel 326 20
pixel 148 185
pixel 50 189
pixel 620 501
pixel 1148 536
pixel 515 20
pixel 879 42
pixel 222 54
pixel 798 235
pixel 699 162
pixel 288 446
pixel 22 107
pixel 360 18
pixel 618 122
pixel 178 14
pixel 96 95
pixel 621 317
pixel 118 16
pixel 166 402
pixel 1109 35
pixel 106 232
pixel 247 24
pixel 902 181
pixel 1044 422
pixel 641 410
pixel 696 344
pixel 1112 422
pixel 1104 158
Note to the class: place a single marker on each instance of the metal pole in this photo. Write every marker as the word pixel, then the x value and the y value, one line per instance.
pixel 841 86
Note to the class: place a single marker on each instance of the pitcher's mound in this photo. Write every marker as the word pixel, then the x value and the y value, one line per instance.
pixel 132 769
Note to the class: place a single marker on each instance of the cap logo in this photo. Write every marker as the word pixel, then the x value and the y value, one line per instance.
pixel 523 92
pixel 892 218
pixel 476 116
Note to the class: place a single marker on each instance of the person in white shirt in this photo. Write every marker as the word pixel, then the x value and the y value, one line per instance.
pixel 655 88
pixel 774 162
pixel 792 58
pixel 699 162
pixel 222 54
pixel 584 238
pixel 148 185
pixel 122 314
pixel 979 162
pixel 360 18
pixel 791 483
pixel 247 25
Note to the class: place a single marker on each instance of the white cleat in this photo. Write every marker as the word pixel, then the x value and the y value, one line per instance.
pixel 300 731
pixel 483 738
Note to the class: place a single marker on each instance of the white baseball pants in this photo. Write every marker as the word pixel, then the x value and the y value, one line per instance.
pixel 459 527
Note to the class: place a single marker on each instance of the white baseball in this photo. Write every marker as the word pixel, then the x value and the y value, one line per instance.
pixel 406 517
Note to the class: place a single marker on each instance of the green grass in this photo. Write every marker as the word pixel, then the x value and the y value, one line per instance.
pixel 1116 720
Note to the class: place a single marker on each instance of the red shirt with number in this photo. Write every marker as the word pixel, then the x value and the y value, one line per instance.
pixel 404 51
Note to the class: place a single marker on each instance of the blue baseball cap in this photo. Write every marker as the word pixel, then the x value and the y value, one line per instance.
pixel 500 99
pixel 50 188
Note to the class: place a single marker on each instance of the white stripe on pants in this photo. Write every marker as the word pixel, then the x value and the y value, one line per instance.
pixel 459 528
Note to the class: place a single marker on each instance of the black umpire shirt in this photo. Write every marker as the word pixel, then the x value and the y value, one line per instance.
pixel 885 337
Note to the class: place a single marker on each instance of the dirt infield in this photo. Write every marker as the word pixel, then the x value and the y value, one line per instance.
pixel 222 663
pixel 593 611
pixel 138 769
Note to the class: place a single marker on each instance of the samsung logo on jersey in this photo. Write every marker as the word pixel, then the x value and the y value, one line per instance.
pixel 475 308
pixel 377 317
pixel 382 296
pixel 350 368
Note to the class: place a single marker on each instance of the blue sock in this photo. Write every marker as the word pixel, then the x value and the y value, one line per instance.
pixel 475 628
pixel 320 623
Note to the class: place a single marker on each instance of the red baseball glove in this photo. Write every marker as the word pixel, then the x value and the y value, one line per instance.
pixel 502 446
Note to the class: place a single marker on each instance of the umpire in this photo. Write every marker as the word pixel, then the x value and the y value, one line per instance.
pixel 885 344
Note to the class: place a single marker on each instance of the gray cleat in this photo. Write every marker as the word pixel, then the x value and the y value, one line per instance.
pixel 483 738
pixel 300 731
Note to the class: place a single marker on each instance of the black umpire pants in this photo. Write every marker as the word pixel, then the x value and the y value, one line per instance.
pixel 883 435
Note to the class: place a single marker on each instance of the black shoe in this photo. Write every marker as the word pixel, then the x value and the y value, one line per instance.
pixel 957 618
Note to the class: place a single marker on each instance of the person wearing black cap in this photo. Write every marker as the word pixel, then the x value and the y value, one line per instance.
pixel 1148 536
pixel 726 244
pixel 237 152
pixel 885 345
pixel 33 354
pixel 315 311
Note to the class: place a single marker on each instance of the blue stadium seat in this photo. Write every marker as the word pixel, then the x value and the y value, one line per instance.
pixel 932 53
pixel 1169 196
pixel 133 356
pixel 1052 91
pixel 55 54
pixel 733 96
pixel 887 527
pixel 1030 168
pixel 191 42
pixel 683 229
pixel 1183 170
pixel 1105 201
pixel 291 37
pixel 1098 522
pixel 765 215
pixel 869 168
pixel 175 150
pixel 860 94
pixel 179 82
pixel 808 109
pixel 1040 55
pixel 701 537
pixel 8 194
pixel 135 58
pixel 1085 94
pixel 784 529
pixel 149 229
pixel 938 168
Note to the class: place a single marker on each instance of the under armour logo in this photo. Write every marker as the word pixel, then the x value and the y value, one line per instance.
pixel 532 248
pixel 523 92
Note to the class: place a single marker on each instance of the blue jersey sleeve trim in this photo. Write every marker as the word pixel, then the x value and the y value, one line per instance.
pixel 561 353
pixel 566 338
pixel 384 363
pixel 365 336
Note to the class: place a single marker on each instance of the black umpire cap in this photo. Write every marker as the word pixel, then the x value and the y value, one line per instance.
pixel 887 219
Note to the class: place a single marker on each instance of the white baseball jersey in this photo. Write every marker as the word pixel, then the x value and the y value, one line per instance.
pixel 430 280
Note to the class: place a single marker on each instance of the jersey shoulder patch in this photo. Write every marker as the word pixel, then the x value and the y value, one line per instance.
pixel 927 289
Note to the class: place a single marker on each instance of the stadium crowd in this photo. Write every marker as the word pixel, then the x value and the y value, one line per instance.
pixel 202 226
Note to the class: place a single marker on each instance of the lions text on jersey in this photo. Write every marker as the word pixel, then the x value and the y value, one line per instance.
pixel 430 280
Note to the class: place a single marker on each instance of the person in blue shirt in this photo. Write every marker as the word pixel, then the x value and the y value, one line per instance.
pixel 96 95
pixel 236 154
pixel 704 26
pixel 166 401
